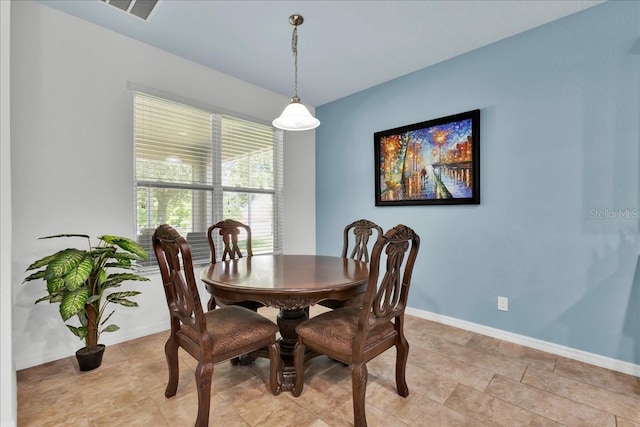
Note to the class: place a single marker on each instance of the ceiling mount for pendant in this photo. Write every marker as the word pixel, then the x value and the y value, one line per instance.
pixel 296 20
pixel 296 116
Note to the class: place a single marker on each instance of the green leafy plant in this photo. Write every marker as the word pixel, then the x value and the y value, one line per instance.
pixel 77 279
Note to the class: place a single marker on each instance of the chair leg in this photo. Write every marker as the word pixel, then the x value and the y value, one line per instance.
pixel 275 384
pixel 171 353
pixel 359 375
pixel 402 354
pixel 298 364
pixel 204 372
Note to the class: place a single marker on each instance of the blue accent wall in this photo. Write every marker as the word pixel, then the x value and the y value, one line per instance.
pixel 557 227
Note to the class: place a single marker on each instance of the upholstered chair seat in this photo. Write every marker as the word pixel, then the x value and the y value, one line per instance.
pixel 335 331
pixel 233 330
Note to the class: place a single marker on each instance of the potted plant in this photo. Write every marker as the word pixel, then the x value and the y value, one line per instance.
pixel 77 279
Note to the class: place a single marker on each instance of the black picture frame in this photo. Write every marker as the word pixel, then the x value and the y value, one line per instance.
pixel 435 162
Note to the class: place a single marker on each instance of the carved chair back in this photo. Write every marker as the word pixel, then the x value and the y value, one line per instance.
pixel 232 233
pixel 360 233
pixel 229 230
pixel 176 268
pixel 386 296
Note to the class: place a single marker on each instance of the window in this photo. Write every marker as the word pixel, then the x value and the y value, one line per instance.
pixel 195 167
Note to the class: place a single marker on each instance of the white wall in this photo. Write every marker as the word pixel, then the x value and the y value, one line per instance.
pixel 8 377
pixel 72 157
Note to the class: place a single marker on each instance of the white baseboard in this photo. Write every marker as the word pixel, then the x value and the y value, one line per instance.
pixel 571 353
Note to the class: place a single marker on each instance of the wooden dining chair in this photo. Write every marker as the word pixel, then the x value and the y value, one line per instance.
pixel 230 230
pixel 355 335
pixel 210 337
pixel 359 236
pixel 359 233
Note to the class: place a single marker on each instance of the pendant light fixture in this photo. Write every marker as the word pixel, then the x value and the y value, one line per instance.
pixel 295 115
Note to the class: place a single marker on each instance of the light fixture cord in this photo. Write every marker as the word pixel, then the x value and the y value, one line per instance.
pixel 294 50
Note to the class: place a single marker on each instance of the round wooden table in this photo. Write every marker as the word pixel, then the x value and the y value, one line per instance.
pixel 289 282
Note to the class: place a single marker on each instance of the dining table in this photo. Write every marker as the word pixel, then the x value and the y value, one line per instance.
pixel 291 283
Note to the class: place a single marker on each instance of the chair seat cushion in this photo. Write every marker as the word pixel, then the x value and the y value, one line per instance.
pixel 337 328
pixel 232 328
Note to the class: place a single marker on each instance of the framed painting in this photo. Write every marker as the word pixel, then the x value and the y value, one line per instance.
pixel 436 162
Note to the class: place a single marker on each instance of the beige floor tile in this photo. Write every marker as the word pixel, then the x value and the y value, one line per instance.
pixel 58 370
pixel 378 417
pixel 260 408
pixel 57 402
pixel 489 362
pixel 416 410
pixel 381 389
pixel 182 411
pixel 427 334
pixel 245 396
pixel 548 405
pixel 227 376
pixel 71 421
pixel 450 373
pixel 329 402
pixel 626 406
pixel 119 387
pixel 156 387
pixel 491 410
pixel 599 377
pixel 338 375
pixel 433 386
pixel 621 422
pixel 322 396
pixel 453 369
pixel 143 413
pixel 520 353
pixel 153 372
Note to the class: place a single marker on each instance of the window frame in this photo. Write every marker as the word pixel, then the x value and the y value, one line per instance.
pixel 216 189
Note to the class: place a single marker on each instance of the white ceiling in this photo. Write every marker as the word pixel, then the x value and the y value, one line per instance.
pixel 343 46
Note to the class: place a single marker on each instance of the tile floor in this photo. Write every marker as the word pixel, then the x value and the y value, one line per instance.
pixel 456 378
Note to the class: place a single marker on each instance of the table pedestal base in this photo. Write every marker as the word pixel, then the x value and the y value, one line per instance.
pixel 287 321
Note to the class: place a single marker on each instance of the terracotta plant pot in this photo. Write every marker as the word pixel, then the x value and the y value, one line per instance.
pixel 89 360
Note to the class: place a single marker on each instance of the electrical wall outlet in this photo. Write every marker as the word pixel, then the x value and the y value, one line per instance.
pixel 503 303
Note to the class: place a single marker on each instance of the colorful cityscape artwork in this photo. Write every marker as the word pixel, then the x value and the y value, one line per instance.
pixel 433 162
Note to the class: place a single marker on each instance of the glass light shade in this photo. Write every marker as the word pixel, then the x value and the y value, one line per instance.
pixel 296 117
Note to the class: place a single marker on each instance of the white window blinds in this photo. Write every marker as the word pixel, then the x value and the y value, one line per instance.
pixel 195 167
